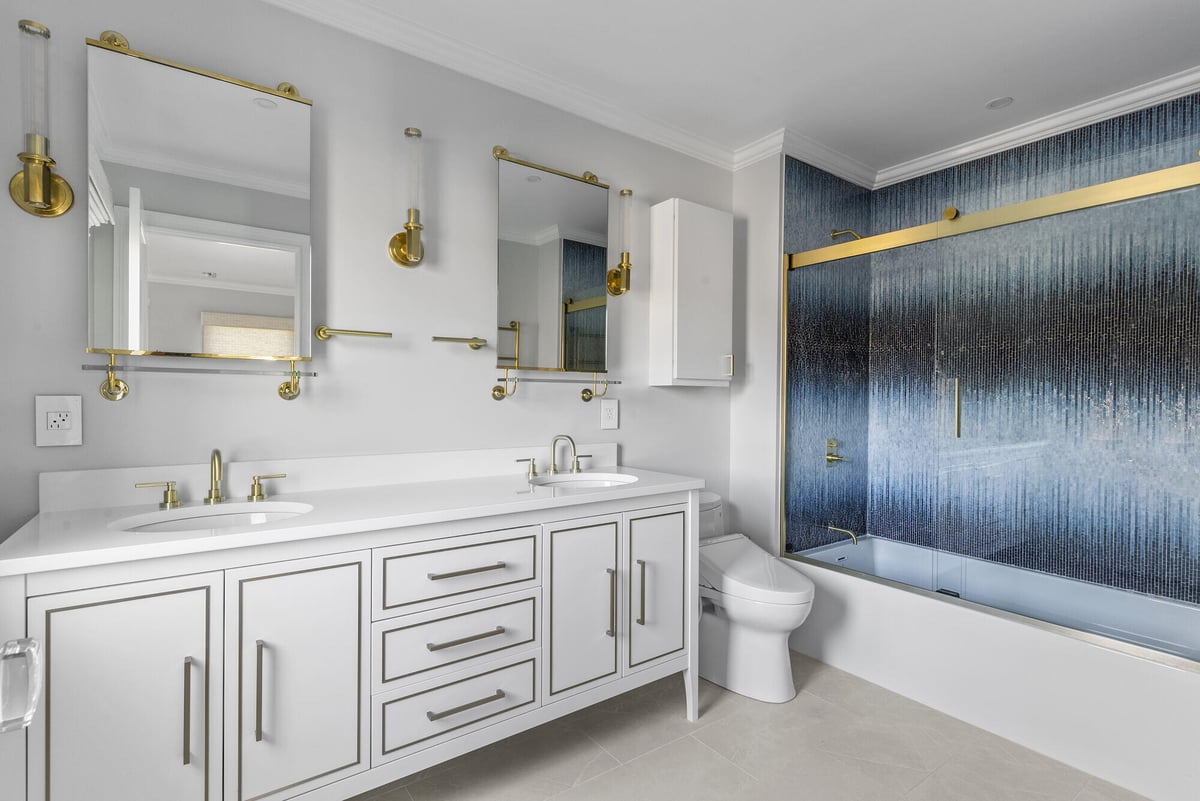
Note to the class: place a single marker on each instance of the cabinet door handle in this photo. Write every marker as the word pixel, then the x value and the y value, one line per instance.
pixel 467 572
pixel 187 710
pixel 641 621
pixel 258 690
pixel 438 646
pixel 730 357
pixel 612 603
pixel 497 696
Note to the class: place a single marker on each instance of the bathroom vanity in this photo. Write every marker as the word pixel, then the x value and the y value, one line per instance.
pixel 326 652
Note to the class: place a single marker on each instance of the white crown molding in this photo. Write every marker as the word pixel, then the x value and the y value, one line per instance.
pixel 809 151
pixel 369 22
pixel 1150 94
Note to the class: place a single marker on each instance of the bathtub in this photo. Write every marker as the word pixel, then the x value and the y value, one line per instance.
pixel 1105 680
pixel 1172 627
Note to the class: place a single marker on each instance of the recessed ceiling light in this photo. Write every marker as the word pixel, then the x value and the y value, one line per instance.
pixel 998 103
pixel 533 179
pixel 265 103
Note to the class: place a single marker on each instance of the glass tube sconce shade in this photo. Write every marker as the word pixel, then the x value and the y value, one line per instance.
pixel 405 247
pixel 36 188
pixel 618 277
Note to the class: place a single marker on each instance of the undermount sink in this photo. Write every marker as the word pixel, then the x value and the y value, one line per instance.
pixel 207 518
pixel 583 480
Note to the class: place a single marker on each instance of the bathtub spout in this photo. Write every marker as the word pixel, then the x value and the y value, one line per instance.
pixel 846 531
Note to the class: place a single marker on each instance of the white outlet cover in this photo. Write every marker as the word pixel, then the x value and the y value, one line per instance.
pixel 53 407
pixel 610 413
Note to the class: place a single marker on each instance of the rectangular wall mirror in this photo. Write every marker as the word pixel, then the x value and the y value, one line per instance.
pixel 198 212
pixel 552 255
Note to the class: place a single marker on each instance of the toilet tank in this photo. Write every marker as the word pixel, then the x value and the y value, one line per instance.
pixel 712 515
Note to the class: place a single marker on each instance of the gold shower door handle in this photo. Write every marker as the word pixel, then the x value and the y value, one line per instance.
pixel 957 410
pixel 612 603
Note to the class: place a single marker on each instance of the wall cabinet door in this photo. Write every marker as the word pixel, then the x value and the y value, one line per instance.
pixel 295 678
pixel 582 606
pixel 656 561
pixel 132 698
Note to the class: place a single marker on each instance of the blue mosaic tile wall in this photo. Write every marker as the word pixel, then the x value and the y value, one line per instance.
pixel 584 269
pixel 1076 342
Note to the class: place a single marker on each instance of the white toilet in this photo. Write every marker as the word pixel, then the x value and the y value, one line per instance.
pixel 751 602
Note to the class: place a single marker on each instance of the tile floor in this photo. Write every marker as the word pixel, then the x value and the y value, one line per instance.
pixel 840 739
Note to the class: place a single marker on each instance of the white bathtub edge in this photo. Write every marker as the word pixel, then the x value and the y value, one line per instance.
pixel 1111 713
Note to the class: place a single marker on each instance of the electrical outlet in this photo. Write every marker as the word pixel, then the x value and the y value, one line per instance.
pixel 610 416
pixel 57 420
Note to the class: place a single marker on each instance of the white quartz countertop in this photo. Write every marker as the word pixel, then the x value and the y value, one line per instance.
pixel 82 537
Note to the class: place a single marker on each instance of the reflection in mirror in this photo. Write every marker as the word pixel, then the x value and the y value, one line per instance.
pixel 198 213
pixel 551 267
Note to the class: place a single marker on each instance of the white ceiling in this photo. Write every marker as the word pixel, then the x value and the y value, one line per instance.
pixel 873 90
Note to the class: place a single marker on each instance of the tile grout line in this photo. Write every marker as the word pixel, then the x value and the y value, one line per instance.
pixel 726 759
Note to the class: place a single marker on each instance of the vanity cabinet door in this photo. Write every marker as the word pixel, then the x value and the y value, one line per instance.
pixel 582 605
pixel 132 688
pixel 656 561
pixel 295 677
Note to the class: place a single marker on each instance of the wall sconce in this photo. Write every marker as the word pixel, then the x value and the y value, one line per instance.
pixel 405 247
pixel 36 188
pixel 618 277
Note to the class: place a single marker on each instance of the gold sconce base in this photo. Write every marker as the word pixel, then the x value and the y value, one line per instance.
pixel 617 279
pixel 405 247
pixel 62 197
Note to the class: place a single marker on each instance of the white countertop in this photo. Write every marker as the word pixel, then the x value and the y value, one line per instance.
pixel 82 538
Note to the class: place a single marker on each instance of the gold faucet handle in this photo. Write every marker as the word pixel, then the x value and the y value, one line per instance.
pixel 532 473
pixel 575 464
pixel 256 490
pixel 170 497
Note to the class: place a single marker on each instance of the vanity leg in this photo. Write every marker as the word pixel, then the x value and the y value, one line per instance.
pixel 691 681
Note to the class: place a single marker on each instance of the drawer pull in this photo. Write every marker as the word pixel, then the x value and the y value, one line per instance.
pixel 258 690
pixel 437 646
pixel 499 695
pixel 467 572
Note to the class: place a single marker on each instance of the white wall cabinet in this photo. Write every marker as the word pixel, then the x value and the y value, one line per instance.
pixel 132 704
pixel 691 295
pixel 294 677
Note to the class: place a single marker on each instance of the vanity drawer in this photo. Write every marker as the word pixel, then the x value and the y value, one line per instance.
pixel 405 721
pixel 413 645
pixel 454 570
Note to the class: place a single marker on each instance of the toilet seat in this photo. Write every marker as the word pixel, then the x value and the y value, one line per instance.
pixel 733 565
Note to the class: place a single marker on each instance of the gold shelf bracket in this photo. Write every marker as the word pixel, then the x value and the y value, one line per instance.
pixel 113 388
pixel 290 389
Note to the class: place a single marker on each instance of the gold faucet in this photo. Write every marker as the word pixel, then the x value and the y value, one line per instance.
pixel 554 456
pixel 214 484
pixel 853 536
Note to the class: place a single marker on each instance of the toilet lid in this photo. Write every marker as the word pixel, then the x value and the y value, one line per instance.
pixel 734 565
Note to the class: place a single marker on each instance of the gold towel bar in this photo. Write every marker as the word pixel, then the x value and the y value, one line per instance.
pixel 324 332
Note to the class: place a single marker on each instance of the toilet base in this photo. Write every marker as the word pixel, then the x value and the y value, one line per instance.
pixel 749 662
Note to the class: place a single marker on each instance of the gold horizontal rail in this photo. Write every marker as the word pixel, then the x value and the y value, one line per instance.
pixel 573 305
pixel 1137 186
pixel 324 332
pixel 500 153
pixel 474 343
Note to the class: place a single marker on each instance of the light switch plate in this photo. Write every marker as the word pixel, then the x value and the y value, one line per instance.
pixel 57 420
pixel 610 416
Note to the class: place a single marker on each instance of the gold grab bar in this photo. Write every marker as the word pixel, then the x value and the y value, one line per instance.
pixel 324 332
pixel 474 343
pixel 846 531
pixel 957 410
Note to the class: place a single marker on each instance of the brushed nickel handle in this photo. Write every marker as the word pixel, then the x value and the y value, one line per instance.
pixel 957 410
pixel 258 691
pixel 612 603
pixel 187 710
pixel 438 646
pixel 641 621
pixel 467 572
pixel 499 695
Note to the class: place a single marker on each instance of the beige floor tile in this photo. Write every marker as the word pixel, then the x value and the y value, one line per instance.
pixel 529 766
pixel 684 770
pixel 1006 772
pixel 1097 790
pixel 649 717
